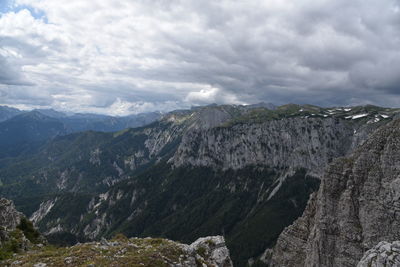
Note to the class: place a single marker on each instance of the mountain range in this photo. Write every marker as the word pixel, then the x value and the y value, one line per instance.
pixel 22 132
pixel 244 172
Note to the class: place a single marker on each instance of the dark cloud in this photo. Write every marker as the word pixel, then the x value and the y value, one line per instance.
pixel 147 54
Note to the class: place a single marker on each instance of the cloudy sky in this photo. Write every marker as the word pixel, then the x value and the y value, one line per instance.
pixel 120 57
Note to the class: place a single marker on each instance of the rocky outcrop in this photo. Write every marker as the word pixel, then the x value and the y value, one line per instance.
pixel 357 206
pixel 17 234
pixel 9 216
pixel 211 250
pixel 382 255
pixel 9 219
pixel 43 210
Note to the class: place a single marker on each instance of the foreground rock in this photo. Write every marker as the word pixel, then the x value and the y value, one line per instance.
pixel 9 219
pixel 17 233
pixel 382 255
pixel 121 251
pixel 355 208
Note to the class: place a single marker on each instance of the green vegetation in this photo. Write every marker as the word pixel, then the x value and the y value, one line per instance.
pixel 261 229
pixel 119 252
pixel 29 181
pixel 260 115
pixel 12 245
pixel 29 230
pixel 187 203
pixel 16 241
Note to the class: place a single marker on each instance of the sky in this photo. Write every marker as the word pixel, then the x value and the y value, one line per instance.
pixel 121 57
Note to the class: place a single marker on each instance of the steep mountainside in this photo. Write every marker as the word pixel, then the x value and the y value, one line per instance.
pixel 244 172
pixel 355 208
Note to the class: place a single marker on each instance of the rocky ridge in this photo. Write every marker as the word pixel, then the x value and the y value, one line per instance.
pixel 355 208
pixel 121 251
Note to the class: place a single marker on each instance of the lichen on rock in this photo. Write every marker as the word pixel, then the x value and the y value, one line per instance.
pixel 384 254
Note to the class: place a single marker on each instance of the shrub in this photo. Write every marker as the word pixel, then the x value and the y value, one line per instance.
pixel 29 230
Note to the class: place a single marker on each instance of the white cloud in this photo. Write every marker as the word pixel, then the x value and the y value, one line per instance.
pixel 143 55
pixel 210 94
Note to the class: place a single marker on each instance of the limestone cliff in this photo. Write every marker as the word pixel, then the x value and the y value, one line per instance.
pixel 357 206
pixel 294 142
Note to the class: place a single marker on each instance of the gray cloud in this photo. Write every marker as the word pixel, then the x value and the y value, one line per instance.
pixel 9 75
pixel 149 54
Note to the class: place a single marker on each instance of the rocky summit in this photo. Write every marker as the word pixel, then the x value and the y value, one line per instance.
pixel 121 251
pixel 356 208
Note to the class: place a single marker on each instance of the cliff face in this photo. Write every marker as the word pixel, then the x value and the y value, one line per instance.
pixel 295 142
pixel 356 207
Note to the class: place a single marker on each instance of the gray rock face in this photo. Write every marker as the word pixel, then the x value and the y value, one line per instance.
pixel 9 216
pixel 382 255
pixel 356 207
pixel 204 117
pixel 212 250
pixel 295 142
pixel 9 219
pixel 43 210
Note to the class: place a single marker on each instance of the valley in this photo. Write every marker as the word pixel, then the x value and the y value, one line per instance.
pixel 244 172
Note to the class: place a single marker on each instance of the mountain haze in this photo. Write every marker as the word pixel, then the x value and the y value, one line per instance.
pixel 23 132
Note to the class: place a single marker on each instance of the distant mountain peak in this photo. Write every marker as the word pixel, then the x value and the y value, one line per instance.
pixel 51 113
pixel 8 112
